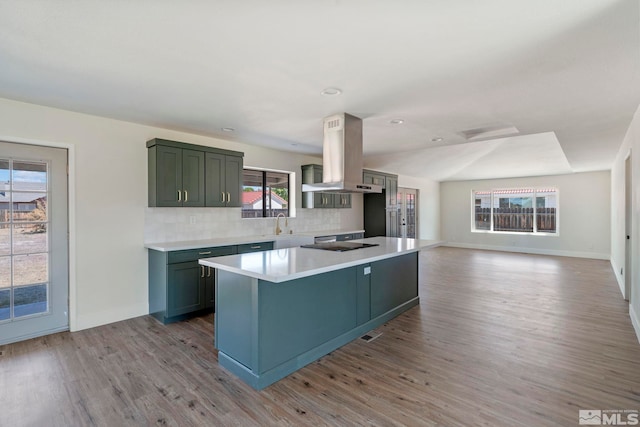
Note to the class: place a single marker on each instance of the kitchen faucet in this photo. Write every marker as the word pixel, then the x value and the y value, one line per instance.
pixel 286 223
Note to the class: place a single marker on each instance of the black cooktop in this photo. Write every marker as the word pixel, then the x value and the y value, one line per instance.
pixel 339 246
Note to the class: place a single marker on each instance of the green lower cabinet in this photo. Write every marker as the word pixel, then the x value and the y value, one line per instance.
pixel 185 290
pixel 179 287
pixel 255 247
pixel 208 279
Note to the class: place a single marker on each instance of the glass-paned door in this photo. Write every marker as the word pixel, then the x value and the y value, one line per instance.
pixel 408 210
pixel 33 290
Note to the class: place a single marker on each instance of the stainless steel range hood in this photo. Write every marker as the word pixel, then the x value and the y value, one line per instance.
pixel 342 157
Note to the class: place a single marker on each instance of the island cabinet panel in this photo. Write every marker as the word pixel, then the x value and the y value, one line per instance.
pixel 235 315
pixel 363 294
pixel 266 330
pixel 393 282
pixel 300 315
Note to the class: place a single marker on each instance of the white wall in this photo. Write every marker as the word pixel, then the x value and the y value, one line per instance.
pixel 108 204
pixel 584 216
pixel 631 144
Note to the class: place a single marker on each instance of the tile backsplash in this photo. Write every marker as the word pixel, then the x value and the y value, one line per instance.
pixel 178 224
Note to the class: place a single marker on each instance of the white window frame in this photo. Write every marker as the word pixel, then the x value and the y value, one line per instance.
pixel 535 231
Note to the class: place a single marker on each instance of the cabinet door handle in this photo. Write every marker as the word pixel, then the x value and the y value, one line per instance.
pixel 179 196
pixel 208 271
pixel 204 253
pixel 222 193
pixel 186 196
pixel 202 271
pixel 228 197
pixel 256 247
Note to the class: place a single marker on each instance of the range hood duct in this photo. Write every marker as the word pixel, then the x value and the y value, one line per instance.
pixel 342 157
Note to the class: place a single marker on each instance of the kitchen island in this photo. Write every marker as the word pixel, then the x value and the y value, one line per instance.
pixel 276 311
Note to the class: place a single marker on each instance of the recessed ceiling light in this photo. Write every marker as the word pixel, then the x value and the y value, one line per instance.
pixel 228 129
pixel 331 91
pixel 396 121
pixel 437 139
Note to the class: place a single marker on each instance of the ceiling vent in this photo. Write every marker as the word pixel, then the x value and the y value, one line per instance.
pixel 489 132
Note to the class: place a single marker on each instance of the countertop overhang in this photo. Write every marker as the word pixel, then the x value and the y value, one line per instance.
pixel 281 265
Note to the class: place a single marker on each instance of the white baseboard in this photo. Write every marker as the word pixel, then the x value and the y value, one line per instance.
pixel 575 254
pixel 635 321
pixel 619 277
pixel 91 320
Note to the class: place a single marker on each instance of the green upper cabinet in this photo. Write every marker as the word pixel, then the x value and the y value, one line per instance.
pixel 391 186
pixel 224 180
pixel 387 181
pixel 178 177
pixel 342 200
pixel 187 175
pixel 192 178
pixel 312 174
pixel 371 177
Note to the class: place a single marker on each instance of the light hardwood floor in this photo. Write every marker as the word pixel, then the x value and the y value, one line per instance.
pixel 498 339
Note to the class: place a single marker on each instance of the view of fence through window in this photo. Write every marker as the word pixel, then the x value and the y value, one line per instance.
pixel 264 193
pixel 24 248
pixel 522 210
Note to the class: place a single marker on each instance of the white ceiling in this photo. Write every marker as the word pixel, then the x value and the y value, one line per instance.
pixel 564 73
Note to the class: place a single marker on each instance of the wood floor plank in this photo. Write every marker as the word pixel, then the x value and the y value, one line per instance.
pixel 499 339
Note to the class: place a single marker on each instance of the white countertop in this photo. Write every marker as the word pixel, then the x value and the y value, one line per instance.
pixel 226 241
pixel 281 265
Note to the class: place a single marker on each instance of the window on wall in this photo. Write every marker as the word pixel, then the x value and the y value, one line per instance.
pixel 518 210
pixel 264 193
